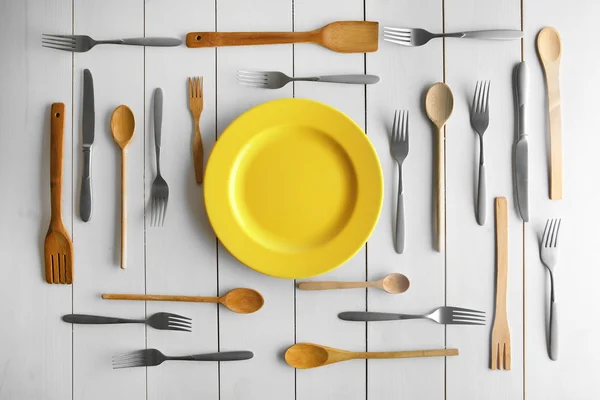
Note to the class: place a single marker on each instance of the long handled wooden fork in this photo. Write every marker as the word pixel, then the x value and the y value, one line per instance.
pixel 58 248
pixel 196 107
pixel 500 358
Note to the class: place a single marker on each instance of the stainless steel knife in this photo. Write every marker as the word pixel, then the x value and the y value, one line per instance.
pixel 522 149
pixel 88 121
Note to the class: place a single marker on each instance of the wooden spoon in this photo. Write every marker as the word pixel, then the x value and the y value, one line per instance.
pixel 341 36
pixel 392 283
pixel 58 248
pixel 122 125
pixel 549 48
pixel 309 355
pixel 439 103
pixel 241 300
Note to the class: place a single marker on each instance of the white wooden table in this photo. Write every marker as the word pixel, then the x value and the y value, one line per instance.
pixel 42 357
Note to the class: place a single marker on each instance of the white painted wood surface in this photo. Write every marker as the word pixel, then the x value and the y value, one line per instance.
pixel 42 357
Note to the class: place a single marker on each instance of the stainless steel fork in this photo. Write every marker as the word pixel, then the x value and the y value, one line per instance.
pixel 480 119
pixel 549 256
pixel 82 43
pixel 162 321
pixel 276 79
pixel 160 190
pixel 399 150
pixel 442 315
pixel 419 37
pixel 153 357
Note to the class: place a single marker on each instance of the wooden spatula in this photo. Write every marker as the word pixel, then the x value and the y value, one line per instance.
pixel 341 36
pixel 58 248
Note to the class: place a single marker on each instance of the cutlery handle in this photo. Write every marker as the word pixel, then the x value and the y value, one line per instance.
pixel 350 79
pixel 94 319
pixel 219 39
pixel 400 227
pixel 85 199
pixel 439 190
pixel 375 316
pixel 501 256
pixel 332 285
pixel 124 209
pixel 57 131
pixel 496 34
pixel 224 356
pixel 151 41
pixel 198 152
pixel 408 354
pixel 553 335
pixel 481 195
pixel 556 178
pixel 158 113
pixel 160 297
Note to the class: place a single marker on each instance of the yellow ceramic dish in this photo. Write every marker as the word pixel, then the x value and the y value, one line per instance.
pixel 293 188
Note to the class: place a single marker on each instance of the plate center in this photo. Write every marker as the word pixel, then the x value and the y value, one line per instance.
pixel 294 188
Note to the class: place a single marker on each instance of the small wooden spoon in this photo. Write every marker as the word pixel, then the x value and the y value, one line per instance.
pixel 549 49
pixel 309 355
pixel 241 300
pixel 392 283
pixel 439 103
pixel 341 36
pixel 122 125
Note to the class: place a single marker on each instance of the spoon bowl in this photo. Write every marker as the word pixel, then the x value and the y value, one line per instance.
pixel 549 45
pixel 242 300
pixel 307 355
pixel 122 125
pixel 395 283
pixel 439 103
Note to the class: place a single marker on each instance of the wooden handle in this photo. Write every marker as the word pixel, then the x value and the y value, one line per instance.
pixel 332 285
pixel 124 208
pixel 161 297
pixel 219 39
pixel 556 178
pixel 408 354
pixel 198 152
pixel 57 131
pixel 439 190
pixel 501 256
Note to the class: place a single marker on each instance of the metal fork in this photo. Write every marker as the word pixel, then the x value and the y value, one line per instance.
pixel 549 256
pixel 153 357
pixel 419 37
pixel 159 193
pixel 82 43
pixel 480 119
pixel 442 315
pixel 277 80
pixel 399 150
pixel 162 321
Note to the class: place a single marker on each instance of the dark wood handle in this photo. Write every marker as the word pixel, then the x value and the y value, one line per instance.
pixel 218 39
pixel 57 131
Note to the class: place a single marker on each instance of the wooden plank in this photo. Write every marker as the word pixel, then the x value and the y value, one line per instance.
pixel 471 265
pixel 573 375
pixel 406 74
pixel 181 255
pixel 35 361
pixel 271 330
pixel 316 312
pixel 118 73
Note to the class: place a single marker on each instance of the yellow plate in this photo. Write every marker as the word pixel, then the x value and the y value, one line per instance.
pixel 293 188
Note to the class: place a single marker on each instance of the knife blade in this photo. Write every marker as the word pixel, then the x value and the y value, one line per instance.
pixel 88 122
pixel 522 147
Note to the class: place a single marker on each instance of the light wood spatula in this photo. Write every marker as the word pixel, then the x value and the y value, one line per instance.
pixel 58 248
pixel 341 36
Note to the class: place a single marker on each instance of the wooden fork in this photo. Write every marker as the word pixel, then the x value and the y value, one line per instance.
pixel 58 248
pixel 501 358
pixel 196 106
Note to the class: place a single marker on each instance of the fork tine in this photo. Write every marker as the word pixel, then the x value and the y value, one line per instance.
pixel 171 328
pixel 554 236
pixel 494 360
pixel 58 43
pixel 179 321
pixel 59 48
pixel 405 127
pixel 257 85
pixel 398 36
pixel 557 228
pixel 466 310
pixel 487 96
pixel 461 314
pixel 460 322
pixel 545 234
pixel 166 203
pixel 400 30
pixel 474 104
pixel 468 318
pixel 171 315
pixel 161 204
pixel 179 325
pixel 507 357
pixel 128 354
pixel 480 95
pixel 402 43
pixel 59 36
pixel 59 39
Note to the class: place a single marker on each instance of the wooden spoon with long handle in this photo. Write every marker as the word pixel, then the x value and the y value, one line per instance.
pixel 341 36
pixel 310 355
pixel 439 103
pixel 392 283
pixel 549 48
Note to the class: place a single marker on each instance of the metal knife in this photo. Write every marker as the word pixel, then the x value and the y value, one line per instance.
pixel 88 121
pixel 522 149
